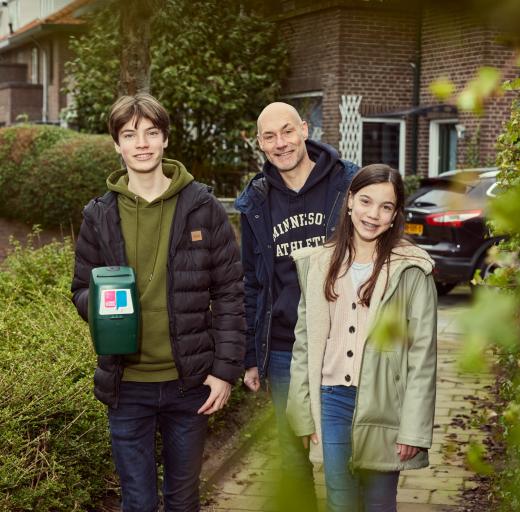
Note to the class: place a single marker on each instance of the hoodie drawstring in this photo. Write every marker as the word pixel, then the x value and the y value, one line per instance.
pixel 136 231
pixel 156 252
pixel 158 232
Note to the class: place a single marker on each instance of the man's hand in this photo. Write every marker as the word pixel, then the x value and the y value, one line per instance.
pixel 406 452
pixel 252 379
pixel 305 440
pixel 220 391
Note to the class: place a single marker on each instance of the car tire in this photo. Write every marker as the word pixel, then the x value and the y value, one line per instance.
pixel 444 288
pixel 486 269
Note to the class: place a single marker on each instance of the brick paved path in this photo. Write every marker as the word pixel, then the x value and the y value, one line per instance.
pixel 248 485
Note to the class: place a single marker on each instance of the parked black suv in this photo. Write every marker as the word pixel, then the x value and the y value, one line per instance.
pixel 446 217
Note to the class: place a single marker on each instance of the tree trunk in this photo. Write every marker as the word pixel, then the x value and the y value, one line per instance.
pixel 135 29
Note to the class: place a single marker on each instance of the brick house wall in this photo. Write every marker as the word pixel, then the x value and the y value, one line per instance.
pixel 342 51
pixel 368 49
pixel 454 45
pixel 13 72
pixel 315 60
pixel 61 54
pixel 17 98
pixel 21 58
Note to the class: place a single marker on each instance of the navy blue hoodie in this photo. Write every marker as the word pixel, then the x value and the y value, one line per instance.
pixel 298 219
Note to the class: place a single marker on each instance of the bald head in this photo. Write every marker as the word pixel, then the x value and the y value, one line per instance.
pixel 281 136
pixel 275 111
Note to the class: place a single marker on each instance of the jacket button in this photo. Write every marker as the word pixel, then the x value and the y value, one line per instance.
pixel 397 377
pixel 257 216
pixel 348 378
pixel 350 353
pixel 268 246
pixel 351 329
pixel 354 305
pixel 263 345
pixel 333 229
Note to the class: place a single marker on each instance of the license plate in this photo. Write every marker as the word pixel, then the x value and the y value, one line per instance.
pixel 413 229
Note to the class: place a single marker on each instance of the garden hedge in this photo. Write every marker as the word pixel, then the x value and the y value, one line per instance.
pixel 54 447
pixel 47 173
pixel 54 443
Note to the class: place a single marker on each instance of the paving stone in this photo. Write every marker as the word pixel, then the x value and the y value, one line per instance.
pixel 249 503
pixel 413 495
pixel 260 489
pixel 444 498
pixel 439 483
pixel 251 484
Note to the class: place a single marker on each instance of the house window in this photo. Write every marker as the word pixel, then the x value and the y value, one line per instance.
pixel 443 146
pixel 34 66
pixel 383 141
pixel 310 107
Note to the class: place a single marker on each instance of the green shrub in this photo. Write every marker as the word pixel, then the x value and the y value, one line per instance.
pixel 54 441
pixel 411 184
pixel 498 301
pixel 47 174
pixel 54 448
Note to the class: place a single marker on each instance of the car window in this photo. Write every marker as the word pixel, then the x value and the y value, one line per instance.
pixel 436 197
pixel 480 190
pixel 494 190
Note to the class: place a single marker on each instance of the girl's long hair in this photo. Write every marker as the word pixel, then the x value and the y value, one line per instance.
pixel 343 238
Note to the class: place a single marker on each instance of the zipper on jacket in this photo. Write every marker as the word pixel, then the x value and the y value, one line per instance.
pixel 170 277
pixel 330 215
pixel 386 297
pixel 268 337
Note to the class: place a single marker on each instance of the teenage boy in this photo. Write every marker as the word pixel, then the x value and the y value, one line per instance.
pixel 293 203
pixel 176 236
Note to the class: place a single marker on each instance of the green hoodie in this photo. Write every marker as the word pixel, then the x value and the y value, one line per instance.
pixel 146 231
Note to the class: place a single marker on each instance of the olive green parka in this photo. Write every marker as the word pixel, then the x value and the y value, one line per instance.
pixel 396 393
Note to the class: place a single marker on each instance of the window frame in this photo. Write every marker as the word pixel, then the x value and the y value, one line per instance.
pixel 402 137
pixel 433 144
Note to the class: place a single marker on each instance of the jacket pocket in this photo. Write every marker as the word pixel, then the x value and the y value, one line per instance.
pixel 398 378
pixel 379 402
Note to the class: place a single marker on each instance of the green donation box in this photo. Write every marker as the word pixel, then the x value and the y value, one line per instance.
pixel 113 314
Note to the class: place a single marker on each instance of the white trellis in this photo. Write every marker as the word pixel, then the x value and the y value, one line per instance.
pixel 258 156
pixel 317 133
pixel 350 128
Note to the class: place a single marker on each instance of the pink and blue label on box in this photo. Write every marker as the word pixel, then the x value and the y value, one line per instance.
pixel 116 302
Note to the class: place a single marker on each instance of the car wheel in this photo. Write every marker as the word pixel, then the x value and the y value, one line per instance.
pixel 444 288
pixel 486 269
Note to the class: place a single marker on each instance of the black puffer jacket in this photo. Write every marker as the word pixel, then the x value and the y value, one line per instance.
pixel 205 288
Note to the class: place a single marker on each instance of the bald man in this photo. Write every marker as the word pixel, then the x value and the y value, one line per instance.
pixel 294 202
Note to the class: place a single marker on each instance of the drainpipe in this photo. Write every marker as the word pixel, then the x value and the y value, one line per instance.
pixel 416 66
pixel 45 84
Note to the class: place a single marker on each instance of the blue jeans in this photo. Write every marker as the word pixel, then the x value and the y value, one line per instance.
pixel 371 491
pixel 296 466
pixel 144 408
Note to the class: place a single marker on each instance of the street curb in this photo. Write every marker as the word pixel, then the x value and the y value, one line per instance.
pixel 264 421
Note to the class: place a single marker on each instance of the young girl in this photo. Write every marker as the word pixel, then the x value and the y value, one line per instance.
pixel 365 402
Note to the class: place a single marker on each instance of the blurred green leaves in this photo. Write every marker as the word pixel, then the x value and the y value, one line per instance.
pixel 388 328
pixel 492 325
pixel 476 459
pixel 486 83
pixel 443 88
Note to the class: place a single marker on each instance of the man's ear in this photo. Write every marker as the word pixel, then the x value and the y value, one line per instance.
pixel 118 149
pixel 165 144
pixel 259 141
pixel 305 130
